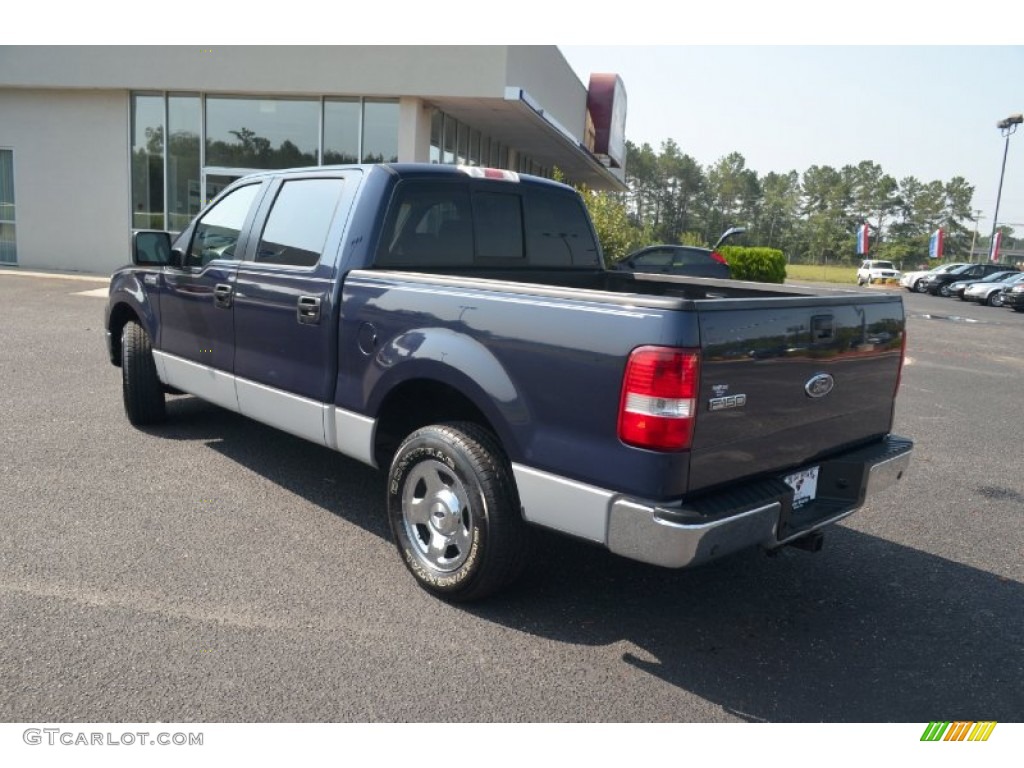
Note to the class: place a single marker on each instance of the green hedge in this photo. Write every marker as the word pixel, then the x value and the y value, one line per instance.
pixel 762 265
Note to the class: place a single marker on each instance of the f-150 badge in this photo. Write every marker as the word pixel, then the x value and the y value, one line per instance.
pixel 729 401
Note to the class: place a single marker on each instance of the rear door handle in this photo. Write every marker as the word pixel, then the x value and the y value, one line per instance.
pixel 308 311
pixel 222 296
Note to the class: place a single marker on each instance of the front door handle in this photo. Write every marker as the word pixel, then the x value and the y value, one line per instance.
pixel 222 296
pixel 308 311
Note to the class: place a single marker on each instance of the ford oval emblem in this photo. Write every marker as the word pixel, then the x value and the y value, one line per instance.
pixel 819 385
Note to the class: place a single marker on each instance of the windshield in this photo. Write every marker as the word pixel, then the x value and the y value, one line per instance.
pixel 882 265
pixel 959 269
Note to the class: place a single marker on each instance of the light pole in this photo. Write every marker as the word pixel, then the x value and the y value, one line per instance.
pixel 974 238
pixel 1007 126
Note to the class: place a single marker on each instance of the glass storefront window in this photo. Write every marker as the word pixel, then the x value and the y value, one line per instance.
pixel 462 152
pixel 380 132
pixel 261 133
pixel 8 245
pixel 341 131
pixel 451 126
pixel 184 192
pixel 474 148
pixel 436 128
pixel 485 150
pixel 147 162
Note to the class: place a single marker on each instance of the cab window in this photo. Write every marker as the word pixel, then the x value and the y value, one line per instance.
pixel 216 235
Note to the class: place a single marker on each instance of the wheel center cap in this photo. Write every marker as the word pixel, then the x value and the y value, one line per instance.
pixel 445 513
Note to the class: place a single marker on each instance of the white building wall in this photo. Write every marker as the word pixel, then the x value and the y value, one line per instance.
pixel 406 70
pixel 543 72
pixel 413 131
pixel 71 151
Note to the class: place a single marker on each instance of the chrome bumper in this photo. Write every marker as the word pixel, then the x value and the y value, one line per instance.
pixel 757 514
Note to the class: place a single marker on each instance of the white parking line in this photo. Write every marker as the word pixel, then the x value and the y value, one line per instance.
pixel 99 293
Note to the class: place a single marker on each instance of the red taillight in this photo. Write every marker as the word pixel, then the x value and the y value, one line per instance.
pixel 659 394
pixel 903 357
pixel 719 258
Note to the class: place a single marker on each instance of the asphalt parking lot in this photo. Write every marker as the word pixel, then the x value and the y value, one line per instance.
pixel 214 569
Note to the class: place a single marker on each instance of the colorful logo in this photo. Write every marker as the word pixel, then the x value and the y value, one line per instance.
pixel 958 731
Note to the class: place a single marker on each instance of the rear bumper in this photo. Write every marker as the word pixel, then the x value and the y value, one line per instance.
pixel 758 513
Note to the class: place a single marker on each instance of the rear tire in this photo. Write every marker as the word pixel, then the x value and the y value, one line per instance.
pixel 454 512
pixel 144 401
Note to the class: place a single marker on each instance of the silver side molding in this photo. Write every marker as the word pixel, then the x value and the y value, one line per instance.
pixel 325 424
pixel 563 505
pixel 290 413
pixel 352 434
pixel 215 386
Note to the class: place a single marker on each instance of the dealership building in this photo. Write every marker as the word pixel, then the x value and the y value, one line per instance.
pixel 96 142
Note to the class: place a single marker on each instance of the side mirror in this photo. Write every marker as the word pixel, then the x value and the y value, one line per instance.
pixel 151 248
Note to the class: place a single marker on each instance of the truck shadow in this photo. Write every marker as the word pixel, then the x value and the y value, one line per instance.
pixel 867 631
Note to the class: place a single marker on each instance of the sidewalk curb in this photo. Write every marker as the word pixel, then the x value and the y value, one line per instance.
pixel 55 275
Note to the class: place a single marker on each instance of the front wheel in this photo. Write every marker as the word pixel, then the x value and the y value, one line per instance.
pixel 144 401
pixel 995 299
pixel 454 511
pixel 921 287
pixel 944 291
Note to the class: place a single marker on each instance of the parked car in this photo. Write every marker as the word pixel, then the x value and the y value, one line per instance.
pixel 456 328
pixel 1013 296
pixel 938 284
pixel 991 292
pixel 957 288
pixel 687 260
pixel 913 281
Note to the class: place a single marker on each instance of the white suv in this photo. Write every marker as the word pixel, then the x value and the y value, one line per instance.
pixel 876 271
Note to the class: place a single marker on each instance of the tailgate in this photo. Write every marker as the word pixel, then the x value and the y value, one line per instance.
pixel 788 381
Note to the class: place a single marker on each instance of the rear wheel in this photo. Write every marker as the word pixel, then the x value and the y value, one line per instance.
pixel 143 393
pixel 454 511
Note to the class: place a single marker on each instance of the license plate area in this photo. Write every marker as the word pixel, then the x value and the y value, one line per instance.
pixel 805 486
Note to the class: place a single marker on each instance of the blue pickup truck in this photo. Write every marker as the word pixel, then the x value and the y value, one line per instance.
pixel 458 328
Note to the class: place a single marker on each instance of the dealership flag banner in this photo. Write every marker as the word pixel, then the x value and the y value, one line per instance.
pixel 862 240
pixel 935 244
pixel 996 242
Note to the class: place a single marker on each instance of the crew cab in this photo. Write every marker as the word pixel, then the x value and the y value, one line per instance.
pixel 457 328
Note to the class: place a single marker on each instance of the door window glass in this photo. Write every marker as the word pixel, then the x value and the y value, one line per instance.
pixel 297 226
pixel 217 233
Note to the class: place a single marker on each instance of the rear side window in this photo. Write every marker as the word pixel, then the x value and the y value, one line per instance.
pixel 557 230
pixel 658 258
pixel 429 224
pixel 451 224
pixel 689 257
pixel 296 229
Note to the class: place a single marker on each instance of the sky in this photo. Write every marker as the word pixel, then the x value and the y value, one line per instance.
pixel 923 111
